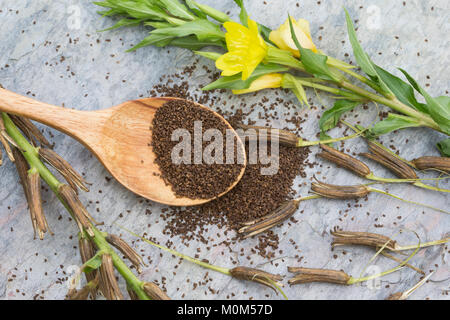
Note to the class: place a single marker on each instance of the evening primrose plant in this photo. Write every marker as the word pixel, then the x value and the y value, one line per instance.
pixel 258 58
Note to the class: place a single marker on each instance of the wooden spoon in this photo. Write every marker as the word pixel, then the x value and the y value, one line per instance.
pixel 119 137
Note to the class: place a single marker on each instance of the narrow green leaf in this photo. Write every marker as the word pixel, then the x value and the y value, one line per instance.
pixel 438 108
pixel 194 9
pixel 177 9
pixel 158 40
pixel 402 90
pixel 192 43
pixel 290 82
pixel 361 56
pixel 444 147
pixel 314 63
pixel 123 23
pixel 236 83
pixel 324 137
pixel 93 264
pixel 209 11
pixel 158 24
pixel 243 15
pixel 140 10
pixel 209 55
pixel 393 122
pixel 202 29
pixel 331 117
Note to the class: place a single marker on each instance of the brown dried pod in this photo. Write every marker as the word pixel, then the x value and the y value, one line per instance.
pixel 344 160
pixel 386 159
pixel 339 192
pixel 285 138
pixel 5 140
pixel 126 250
pixel 440 163
pixel 81 215
pixel 72 177
pixel 154 292
pixel 255 275
pixel 87 252
pixel 30 131
pixel 396 296
pixel 132 294
pixel 90 289
pixel 108 282
pixel 307 275
pixel 35 203
pixel 342 238
pixel 285 211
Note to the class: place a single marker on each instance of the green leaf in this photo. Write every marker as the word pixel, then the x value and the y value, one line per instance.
pixel 402 90
pixel 325 137
pixel 438 108
pixel 123 23
pixel 203 29
pixel 194 9
pixel 314 63
pixel 290 82
pixel 93 264
pixel 192 43
pixel 138 9
pixel 361 56
pixel 158 24
pixel 176 8
pixel 331 117
pixel 393 122
pixel 209 55
pixel 158 40
pixel 209 11
pixel 243 15
pixel 236 83
pixel 444 147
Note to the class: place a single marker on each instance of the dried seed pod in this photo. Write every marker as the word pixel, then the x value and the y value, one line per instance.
pixel 154 292
pixel 285 211
pixel 108 282
pixel 81 215
pixel 344 160
pixel 72 177
pixel 340 192
pixel 132 294
pixel 83 294
pixel 87 252
pixel 35 203
pixel 5 140
pixel 386 159
pixel 255 275
pixel 30 131
pixel 285 138
pixel 126 250
pixel 396 296
pixel 307 275
pixel 440 163
pixel 342 238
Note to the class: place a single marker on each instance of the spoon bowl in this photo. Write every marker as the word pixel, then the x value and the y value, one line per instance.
pixel 120 137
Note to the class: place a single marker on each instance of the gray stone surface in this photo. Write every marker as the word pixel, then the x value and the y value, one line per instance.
pixel 97 73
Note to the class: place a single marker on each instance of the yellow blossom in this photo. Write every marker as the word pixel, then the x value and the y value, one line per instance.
pixel 246 49
pixel 283 38
pixel 272 80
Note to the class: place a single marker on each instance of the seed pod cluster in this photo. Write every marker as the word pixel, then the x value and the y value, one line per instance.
pixel 285 138
pixel 339 192
pixel 33 134
pixel 126 250
pixel 342 238
pixel 255 275
pixel 308 275
pixel 87 252
pixel 344 160
pixel 386 159
pixel 282 213
pixel 154 292
pixel 439 163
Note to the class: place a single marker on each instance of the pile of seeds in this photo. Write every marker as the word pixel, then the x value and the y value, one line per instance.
pixel 188 179
pixel 256 195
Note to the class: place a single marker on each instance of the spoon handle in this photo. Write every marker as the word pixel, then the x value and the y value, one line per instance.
pixel 69 121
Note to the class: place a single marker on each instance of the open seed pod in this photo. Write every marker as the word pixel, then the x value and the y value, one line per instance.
pixel 255 275
pixel 155 292
pixel 342 238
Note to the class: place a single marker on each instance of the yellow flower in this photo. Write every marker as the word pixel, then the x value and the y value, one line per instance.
pixel 246 49
pixel 283 38
pixel 271 80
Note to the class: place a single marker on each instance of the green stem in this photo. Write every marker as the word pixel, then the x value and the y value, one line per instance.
pixel 373 177
pixel 330 89
pixel 32 157
pixel 303 143
pixel 426 186
pixel 423 245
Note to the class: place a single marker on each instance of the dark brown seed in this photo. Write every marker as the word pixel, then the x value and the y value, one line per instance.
pixel 344 160
pixel 307 275
pixel 362 238
pixel 196 179
pixel 72 177
pixel 126 250
pixel 397 166
pixel 339 192
pixel 154 292
pixel 440 163
pixel 285 211
pixel 255 275
pixel 252 133
pixel 33 134
pixel 108 282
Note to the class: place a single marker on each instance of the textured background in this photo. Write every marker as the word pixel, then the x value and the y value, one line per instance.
pixel 97 73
